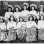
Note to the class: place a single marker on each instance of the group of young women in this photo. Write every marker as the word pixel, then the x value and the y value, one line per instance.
pixel 24 24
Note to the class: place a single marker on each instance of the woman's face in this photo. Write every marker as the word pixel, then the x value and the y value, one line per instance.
pixel 9 9
pixel 30 18
pixel 11 18
pixel 32 8
pixel 1 20
pixel 21 19
pixel 25 7
pixel 41 17
pixel 16 9
pixel 41 8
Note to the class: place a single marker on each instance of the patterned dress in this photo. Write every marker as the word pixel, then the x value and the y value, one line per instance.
pixel 2 31
pixel 11 26
pixel 21 28
pixel 31 31
pixel 41 30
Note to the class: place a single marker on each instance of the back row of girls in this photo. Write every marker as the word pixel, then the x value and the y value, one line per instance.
pixel 24 13
pixel 22 23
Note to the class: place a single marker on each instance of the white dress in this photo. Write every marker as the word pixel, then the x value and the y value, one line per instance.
pixel 20 30
pixel 41 30
pixel 7 15
pixel 31 31
pixel 25 14
pixel 3 28
pixel 34 13
pixel 17 15
pixel 11 26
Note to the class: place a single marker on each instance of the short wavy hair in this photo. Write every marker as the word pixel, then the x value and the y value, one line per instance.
pixel 13 18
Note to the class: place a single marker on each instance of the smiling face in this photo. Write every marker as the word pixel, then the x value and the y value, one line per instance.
pixel 17 9
pixel 25 7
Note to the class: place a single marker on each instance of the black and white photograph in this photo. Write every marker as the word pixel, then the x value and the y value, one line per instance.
pixel 21 21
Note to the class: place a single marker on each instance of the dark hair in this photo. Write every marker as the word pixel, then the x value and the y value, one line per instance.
pixel 26 7
pixel 32 18
pixel 13 18
pixel 40 17
pixel 43 9
pixel 20 18
pixel 15 9
pixel 31 8
pixel 8 8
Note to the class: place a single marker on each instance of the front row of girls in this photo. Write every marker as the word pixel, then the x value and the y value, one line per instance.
pixel 26 30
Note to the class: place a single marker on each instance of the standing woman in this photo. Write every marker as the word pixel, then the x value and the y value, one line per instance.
pixel 9 12
pixel 11 27
pixel 31 29
pixel 25 12
pixel 17 12
pixel 33 11
pixel 41 28
pixel 41 8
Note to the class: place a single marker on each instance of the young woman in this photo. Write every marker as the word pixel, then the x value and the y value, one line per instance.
pixel 11 27
pixel 31 29
pixel 9 12
pixel 25 12
pixel 33 11
pixel 41 28
pixel 21 29
pixel 17 12
pixel 41 8
pixel 2 29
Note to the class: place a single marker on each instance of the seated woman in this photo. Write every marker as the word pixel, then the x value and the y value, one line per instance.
pixel 31 29
pixel 2 29
pixel 21 29
pixel 11 26
pixel 9 12
pixel 41 28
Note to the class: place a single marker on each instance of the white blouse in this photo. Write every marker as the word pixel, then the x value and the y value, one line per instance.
pixel 34 13
pixel 17 14
pixel 31 24
pixel 2 26
pixel 25 13
pixel 7 14
pixel 19 24
pixel 11 24
pixel 41 24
